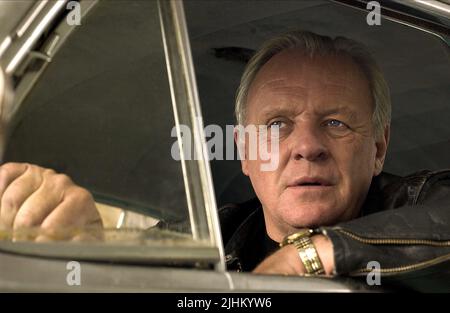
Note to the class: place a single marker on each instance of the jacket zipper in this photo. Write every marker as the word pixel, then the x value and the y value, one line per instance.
pixel 402 269
pixel 396 241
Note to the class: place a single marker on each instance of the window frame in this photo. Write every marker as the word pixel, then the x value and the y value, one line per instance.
pixel 44 16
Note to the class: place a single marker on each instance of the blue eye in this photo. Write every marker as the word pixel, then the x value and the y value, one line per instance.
pixel 278 124
pixel 335 123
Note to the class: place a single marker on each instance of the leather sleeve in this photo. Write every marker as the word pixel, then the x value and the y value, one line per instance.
pixel 411 243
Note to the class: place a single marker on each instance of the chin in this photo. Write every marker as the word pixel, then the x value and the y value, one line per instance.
pixel 311 215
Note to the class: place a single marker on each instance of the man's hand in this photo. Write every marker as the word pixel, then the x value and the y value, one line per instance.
pixel 32 196
pixel 286 261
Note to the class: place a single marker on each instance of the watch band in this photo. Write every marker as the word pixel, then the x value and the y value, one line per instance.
pixel 306 251
pixel 308 255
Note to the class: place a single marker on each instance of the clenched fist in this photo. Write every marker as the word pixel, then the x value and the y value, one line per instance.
pixel 35 197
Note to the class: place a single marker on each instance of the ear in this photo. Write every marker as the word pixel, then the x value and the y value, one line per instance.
pixel 240 144
pixel 381 146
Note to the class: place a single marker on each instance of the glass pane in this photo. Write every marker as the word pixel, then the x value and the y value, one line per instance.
pixel 102 114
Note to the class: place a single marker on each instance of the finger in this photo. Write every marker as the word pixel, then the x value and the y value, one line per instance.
pixel 10 172
pixel 39 205
pixel 17 192
pixel 73 218
pixel 77 209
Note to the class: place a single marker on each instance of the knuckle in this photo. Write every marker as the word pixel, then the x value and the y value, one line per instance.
pixel 7 169
pixel 24 219
pixel 49 172
pixel 36 170
pixel 10 169
pixel 83 194
pixel 4 174
pixel 47 227
pixel 9 202
pixel 80 198
pixel 50 230
pixel 62 179
pixel 9 166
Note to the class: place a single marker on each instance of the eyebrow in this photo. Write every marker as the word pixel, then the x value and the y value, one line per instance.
pixel 265 113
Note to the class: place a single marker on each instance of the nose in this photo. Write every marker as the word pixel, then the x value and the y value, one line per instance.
pixel 308 144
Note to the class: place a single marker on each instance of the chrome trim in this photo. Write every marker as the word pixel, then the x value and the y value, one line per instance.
pixel 185 101
pixel 6 98
pixel 3 93
pixel 170 72
pixel 436 7
pixel 400 19
pixel 49 48
pixel 32 34
pixel 157 252
pixel 31 16
pixel 5 45
pixel 411 25
pixel 40 55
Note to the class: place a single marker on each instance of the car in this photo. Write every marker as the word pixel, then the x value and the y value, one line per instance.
pixel 119 95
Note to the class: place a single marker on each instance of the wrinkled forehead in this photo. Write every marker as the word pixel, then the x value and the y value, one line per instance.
pixel 294 65
pixel 292 72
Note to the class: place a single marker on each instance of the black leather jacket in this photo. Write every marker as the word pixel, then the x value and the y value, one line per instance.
pixel 404 225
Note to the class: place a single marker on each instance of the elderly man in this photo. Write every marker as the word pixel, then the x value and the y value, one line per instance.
pixel 331 106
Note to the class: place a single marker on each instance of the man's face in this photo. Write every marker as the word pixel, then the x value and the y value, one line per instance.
pixel 327 153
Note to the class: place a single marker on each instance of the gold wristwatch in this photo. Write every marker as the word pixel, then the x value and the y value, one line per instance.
pixel 306 250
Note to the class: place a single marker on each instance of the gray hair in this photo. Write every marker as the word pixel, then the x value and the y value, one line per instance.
pixel 313 44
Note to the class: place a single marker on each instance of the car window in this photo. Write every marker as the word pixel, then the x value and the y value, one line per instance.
pixel 105 113
pixel 102 113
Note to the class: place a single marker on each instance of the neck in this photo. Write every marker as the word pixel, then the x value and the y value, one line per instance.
pixel 277 232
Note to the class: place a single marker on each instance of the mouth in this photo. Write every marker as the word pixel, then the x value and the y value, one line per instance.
pixel 310 182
